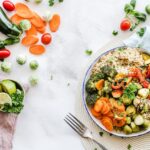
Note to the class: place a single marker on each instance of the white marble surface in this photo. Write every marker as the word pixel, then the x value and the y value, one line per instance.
pixel 86 24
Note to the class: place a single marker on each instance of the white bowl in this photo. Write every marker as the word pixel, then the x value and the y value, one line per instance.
pixel 96 121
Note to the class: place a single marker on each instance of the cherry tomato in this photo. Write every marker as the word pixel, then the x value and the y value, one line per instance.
pixel 125 25
pixel 4 53
pixel 46 38
pixel 8 5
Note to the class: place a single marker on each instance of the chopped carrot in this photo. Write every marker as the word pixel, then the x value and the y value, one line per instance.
pixel 23 11
pixel 41 30
pixel 107 122
pixel 99 85
pixel 98 106
pixel 37 21
pixel 105 108
pixel 16 19
pixel 29 40
pixel 104 99
pixel 119 123
pixel 94 113
pixel 37 49
pixel 54 23
pixel 109 114
pixel 31 31
pixel 117 93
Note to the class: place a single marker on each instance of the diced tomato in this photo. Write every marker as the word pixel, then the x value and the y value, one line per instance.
pixel 145 84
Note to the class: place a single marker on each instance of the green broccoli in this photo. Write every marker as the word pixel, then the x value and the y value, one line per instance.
pixel 91 99
pixel 90 86
pixel 108 71
pixel 96 77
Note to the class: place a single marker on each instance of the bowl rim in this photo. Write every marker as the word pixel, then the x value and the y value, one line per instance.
pixel 84 97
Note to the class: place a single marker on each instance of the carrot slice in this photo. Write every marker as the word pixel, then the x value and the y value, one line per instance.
pixel 41 30
pixel 109 114
pixel 99 85
pixel 29 40
pixel 37 21
pixel 37 49
pixel 23 11
pixel 104 99
pixel 31 31
pixel 98 106
pixel 54 23
pixel 119 123
pixel 107 122
pixel 94 113
pixel 16 19
pixel 105 108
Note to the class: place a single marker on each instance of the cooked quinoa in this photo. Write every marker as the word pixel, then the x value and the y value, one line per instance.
pixel 121 59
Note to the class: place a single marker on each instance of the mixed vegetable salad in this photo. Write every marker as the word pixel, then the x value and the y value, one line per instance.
pixel 120 100
pixel 11 97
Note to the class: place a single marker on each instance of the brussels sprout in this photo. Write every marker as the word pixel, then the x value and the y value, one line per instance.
pixel 48 16
pixel 136 102
pixel 126 100
pixel 134 127
pixel 107 87
pixel 127 129
pixel 147 9
pixel 128 120
pixel 139 120
pixel 33 80
pixel 130 110
pixel 37 1
pixel 34 64
pixel 146 124
pixel 143 92
pixel 6 66
pixel 134 116
pixel 21 59
pixel 145 108
pixel 25 25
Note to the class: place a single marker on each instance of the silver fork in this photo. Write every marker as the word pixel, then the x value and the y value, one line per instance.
pixel 81 129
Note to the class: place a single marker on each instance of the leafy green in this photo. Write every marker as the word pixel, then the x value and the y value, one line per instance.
pixel 139 15
pixel 133 3
pixel 128 8
pixel 115 33
pixel 130 91
pixel 141 32
pixel 147 9
pixel 129 146
pixel 88 52
pixel 17 103
pixel 51 2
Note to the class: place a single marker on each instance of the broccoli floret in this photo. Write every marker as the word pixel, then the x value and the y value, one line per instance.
pixel 96 77
pixel 90 86
pixel 107 87
pixel 91 99
pixel 108 71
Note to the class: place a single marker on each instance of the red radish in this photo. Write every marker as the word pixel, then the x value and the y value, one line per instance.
pixel 8 5
pixel 4 53
pixel 125 25
pixel 46 38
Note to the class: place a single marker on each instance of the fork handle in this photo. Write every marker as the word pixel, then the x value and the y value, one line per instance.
pixel 99 144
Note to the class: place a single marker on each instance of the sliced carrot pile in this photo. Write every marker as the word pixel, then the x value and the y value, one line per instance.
pixel 23 11
pixel 29 40
pixel 94 113
pixel 16 19
pixel 37 49
pixel 105 108
pixel 31 31
pixel 107 122
pixel 37 21
pixel 99 85
pixel 54 23
pixel 98 106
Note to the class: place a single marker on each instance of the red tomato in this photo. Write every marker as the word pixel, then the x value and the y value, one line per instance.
pixel 46 38
pixel 4 53
pixel 145 84
pixel 125 25
pixel 8 5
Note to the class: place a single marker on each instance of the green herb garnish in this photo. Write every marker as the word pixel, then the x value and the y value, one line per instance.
pixel 101 133
pixel 52 2
pixel 88 52
pixel 129 147
pixel 141 32
pixel 17 103
pixel 115 33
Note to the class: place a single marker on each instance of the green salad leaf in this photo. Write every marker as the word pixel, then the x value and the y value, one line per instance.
pixel 17 103
pixel 141 32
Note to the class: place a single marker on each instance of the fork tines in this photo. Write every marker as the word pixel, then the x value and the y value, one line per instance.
pixel 75 124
